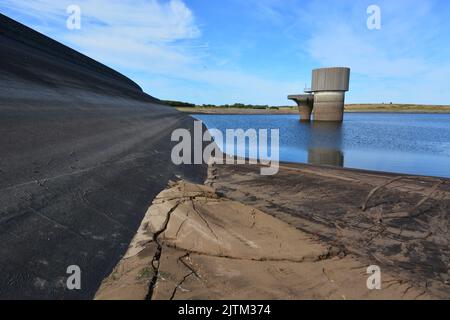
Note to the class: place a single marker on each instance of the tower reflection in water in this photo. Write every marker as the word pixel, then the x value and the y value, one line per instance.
pixel 325 144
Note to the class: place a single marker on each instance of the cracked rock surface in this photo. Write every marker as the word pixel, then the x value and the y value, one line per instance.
pixel 193 244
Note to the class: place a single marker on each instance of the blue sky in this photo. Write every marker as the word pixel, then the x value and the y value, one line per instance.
pixel 258 51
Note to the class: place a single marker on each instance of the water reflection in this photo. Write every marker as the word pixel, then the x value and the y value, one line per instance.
pixel 325 143
pixel 402 143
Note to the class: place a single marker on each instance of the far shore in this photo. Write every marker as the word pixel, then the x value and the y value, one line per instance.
pixel 350 108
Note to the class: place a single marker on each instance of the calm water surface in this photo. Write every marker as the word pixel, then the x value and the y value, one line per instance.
pixel 404 143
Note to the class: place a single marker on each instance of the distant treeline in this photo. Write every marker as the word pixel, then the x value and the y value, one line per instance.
pixel 180 104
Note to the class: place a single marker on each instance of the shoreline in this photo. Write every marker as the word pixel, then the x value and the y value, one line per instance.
pixel 201 239
pixel 294 110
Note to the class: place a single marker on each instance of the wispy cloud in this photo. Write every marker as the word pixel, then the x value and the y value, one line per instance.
pixel 404 60
pixel 258 51
pixel 149 40
pixel 126 34
pixel 153 19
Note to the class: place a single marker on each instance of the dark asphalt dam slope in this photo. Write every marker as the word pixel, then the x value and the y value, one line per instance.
pixel 83 152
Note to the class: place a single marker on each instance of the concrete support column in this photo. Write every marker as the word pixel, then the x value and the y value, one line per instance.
pixel 305 111
pixel 305 105
pixel 329 106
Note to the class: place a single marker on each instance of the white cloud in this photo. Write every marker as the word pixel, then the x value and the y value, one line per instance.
pixel 157 42
pixel 155 20
pixel 396 63
pixel 131 35
pixel 145 36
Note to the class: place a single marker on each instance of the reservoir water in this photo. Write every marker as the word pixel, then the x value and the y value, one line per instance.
pixel 403 143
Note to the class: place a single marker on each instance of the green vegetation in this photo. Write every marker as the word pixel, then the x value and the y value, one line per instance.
pixel 179 104
pixel 240 108
pixel 145 273
pixel 392 107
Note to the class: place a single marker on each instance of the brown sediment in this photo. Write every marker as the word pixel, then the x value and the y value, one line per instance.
pixel 398 222
pixel 301 234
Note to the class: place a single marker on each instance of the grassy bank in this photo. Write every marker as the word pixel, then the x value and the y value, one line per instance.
pixel 399 108
pixel 266 109
pixel 219 110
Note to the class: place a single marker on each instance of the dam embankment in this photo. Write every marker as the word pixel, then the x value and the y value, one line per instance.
pixel 83 152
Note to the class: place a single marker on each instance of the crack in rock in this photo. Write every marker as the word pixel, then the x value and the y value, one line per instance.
pixel 331 253
pixel 192 272
pixel 157 256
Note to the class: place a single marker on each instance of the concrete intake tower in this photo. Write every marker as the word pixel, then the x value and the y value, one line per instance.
pixel 325 100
